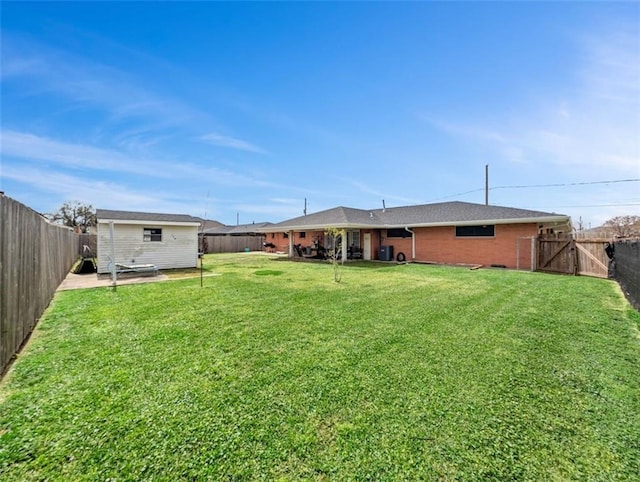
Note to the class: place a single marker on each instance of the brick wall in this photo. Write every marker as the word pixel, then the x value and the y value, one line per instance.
pixel 440 245
pixel 282 243
pixel 400 245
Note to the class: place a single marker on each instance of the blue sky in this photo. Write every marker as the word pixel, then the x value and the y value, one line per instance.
pixel 243 110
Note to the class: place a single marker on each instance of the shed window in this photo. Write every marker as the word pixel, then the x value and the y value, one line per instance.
pixel 475 231
pixel 152 234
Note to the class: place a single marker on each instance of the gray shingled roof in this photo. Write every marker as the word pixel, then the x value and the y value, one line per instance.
pixel 449 213
pixel 138 216
pixel 209 223
pixel 336 217
pixel 238 229
pixel 457 212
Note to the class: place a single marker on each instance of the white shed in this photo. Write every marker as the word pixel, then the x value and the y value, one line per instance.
pixel 165 240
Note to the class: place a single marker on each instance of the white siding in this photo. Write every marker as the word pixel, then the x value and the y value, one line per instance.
pixel 178 248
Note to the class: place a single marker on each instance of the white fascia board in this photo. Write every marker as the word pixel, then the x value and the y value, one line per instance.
pixel 148 223
pixel 547 219
pixel 316 227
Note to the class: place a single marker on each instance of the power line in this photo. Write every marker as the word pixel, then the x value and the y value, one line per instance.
pixel 590 205
pixel 456 195
pixel 526 186
pixel 566 184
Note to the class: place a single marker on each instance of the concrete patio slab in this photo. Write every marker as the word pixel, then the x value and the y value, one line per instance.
pixel 92 280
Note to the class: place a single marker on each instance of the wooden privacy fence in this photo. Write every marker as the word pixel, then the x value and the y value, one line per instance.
pixel 35 256
pixel 573 256
pixel 232 244
pixel 91 243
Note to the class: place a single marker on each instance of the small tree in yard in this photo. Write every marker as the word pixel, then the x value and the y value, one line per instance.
pixel 624 225
pixel 76 215
pixel 334 254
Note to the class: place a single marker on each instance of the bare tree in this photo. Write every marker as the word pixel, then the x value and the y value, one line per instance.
pixel 334 254
pixel 76 215
pixel 624 226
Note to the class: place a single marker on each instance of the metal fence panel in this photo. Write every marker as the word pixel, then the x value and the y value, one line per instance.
pixel 627 270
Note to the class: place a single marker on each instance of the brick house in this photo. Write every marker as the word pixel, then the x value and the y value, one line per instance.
pixel 448 233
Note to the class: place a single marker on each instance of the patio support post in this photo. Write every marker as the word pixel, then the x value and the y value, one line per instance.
pixel 291 244
pixel 344 245
pixel 112 247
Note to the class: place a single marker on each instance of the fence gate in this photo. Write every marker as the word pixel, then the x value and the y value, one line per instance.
pixel 573 256
pixel 592 258
pixel 556 255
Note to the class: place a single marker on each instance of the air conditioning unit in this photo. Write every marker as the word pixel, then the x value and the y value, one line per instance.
pixel 386 253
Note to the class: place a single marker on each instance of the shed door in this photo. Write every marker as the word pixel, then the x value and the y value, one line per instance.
pixel 366 249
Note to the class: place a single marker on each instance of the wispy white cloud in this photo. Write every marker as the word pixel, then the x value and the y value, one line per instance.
pixel 139 140
pixel 63 155
pixel 220 176
pixel 596 127
pixel 469 131
pixel 74 186
pixel 101 194
pixel 79 156
pixel 380 195
pixel 230 142
pixel 271 212
pixel 42 69
pixel 288 200
pixel 612 70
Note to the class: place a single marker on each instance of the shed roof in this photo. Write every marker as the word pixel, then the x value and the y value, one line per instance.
pixel 439 214
pixel 108 214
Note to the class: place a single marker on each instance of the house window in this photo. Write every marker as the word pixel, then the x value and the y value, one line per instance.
pixel 302 234
pixel 398 233
pixel 353 239
pixel 332 241
pixel 475 231
pixel 152 234
pixel 286 235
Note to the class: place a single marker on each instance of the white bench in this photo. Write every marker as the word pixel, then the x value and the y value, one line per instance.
pixel 137 268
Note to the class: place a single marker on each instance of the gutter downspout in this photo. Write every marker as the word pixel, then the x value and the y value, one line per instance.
pixel 413 243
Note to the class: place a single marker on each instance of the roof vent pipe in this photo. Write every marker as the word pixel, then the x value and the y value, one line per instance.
pixel 383 206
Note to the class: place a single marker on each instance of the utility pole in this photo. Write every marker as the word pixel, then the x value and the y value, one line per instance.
pixel 486 184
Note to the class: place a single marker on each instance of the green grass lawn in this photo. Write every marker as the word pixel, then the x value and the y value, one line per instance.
pixel 273 371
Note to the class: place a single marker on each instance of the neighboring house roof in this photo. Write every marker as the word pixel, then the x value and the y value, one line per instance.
pixel 423 215
pixel 209 224
pixel 238 230
pixel 105 215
